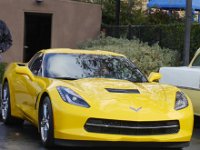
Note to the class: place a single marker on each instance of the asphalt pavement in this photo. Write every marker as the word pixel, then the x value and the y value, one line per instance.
pixel 27 138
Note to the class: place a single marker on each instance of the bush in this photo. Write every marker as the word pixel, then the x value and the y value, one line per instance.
pixel 2 69
pixel 147 58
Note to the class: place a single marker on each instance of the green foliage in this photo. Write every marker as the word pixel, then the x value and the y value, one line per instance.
pixel 166 35
pixel 172 36
pixel 130 12
pixel 147 58
pixel 169 36
pixel 108 12
pixel 163 17
pixel 2 69
pixel 195 36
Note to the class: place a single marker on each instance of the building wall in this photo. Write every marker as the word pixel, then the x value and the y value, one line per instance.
pixel 72 23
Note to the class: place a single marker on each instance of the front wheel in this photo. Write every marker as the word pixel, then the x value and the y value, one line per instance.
pixel 46 123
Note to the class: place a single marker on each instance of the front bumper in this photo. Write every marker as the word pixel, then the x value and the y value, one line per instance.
pixel 69 122
pixel 74 143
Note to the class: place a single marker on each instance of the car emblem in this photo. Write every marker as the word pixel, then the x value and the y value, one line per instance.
pixel 136 109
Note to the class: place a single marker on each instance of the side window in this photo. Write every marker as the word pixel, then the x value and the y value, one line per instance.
pixel 196 61
pixel 30 63
pixel 36 66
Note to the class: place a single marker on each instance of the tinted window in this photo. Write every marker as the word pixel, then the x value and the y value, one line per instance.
pixel 91 66
pixel 36 65
pixel 196 61
pixel 33 59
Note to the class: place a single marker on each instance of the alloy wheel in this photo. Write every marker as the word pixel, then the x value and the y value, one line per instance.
pixel 4 103
pixel 44 122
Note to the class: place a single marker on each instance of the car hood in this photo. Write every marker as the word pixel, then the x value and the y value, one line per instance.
pixel 115 96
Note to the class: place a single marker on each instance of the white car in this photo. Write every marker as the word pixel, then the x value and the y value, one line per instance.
pixel 187 78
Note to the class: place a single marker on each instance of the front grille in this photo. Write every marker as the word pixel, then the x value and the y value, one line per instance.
pixel 132 127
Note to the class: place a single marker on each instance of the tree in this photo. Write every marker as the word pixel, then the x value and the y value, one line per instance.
pixel 158 16
pixel 130 12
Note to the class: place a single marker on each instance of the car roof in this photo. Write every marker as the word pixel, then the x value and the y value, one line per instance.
pixel 79 51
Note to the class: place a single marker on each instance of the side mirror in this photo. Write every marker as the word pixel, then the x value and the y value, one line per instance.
pixel 23 70
pixel 154 77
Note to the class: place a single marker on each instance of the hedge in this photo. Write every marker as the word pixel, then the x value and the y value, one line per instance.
pixel 2 69
pixel 147 58
pixel 167 36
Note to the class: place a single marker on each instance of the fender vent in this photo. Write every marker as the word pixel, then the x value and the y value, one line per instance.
pixel 21 64
pixel 133 91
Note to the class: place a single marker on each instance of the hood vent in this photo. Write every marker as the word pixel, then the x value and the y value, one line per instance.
pixel 131 91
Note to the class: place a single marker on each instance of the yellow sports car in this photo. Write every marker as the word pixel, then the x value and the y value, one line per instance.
pixel 80 97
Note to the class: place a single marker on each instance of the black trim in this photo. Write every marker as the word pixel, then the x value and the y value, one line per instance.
pixel 135 91
pixel 188 88
pixel 141 128
pixel 36 101
pixel 82 143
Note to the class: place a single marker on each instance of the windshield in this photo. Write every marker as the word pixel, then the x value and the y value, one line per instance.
pixel 76 66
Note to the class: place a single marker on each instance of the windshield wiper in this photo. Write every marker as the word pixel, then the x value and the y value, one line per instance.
pixel 65 78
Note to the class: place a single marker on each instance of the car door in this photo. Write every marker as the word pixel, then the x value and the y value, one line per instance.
pixel 27 90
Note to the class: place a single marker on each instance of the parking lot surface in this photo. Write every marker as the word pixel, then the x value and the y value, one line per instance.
pixel 27 138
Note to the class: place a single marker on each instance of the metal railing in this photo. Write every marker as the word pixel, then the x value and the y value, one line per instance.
pixel 168 36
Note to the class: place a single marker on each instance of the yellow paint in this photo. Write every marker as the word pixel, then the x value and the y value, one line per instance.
pixel 157 102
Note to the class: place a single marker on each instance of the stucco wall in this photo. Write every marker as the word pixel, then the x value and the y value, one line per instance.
pixel 72 22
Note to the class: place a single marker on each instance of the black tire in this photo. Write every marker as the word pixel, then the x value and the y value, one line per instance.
pixel 196 122
pixel 7 118
pixel 47 138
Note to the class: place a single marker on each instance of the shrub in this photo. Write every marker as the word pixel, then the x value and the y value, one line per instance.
pixel 2 69
pixel 147 58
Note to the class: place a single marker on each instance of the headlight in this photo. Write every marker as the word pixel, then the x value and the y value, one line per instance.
pixel 71 97
pixel 181 101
